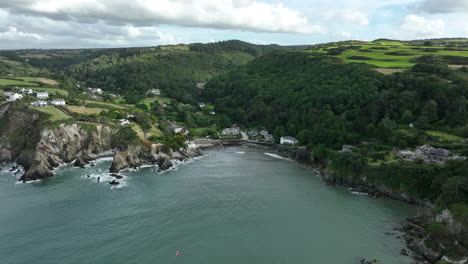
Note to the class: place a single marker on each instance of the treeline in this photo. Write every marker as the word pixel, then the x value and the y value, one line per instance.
pixel 235 45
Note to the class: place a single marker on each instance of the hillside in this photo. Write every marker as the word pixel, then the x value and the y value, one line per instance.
pixel 398 54
pixel 326 104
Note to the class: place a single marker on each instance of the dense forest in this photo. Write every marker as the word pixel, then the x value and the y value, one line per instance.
pixel 321 100
pixel 173 69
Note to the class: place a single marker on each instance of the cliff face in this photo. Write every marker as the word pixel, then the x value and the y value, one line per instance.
pixel 136 156
pixel 18 132
pixel 63 145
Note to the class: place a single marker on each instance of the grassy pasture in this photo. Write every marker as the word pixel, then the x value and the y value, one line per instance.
pixel 8 82
pixel 37 79
pixel 54 113
pixel 391 54
pixel 84 110
pixel 445 136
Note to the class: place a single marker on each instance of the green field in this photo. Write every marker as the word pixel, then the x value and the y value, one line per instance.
pixel 37 79
pixel 389 54
pixel 445 136
pixel 1 92
pixel 8 82
pixel 54 113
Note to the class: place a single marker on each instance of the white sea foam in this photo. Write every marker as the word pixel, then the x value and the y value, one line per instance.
pixel 357 193
pixel 274 156
pixel 240 152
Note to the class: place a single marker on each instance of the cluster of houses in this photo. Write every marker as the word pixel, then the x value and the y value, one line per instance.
pixel 13 96
pixel 255 134
pixel 429 154
pixel 42 103
pixel 231 131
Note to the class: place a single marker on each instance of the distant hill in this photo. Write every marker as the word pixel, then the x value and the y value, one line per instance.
pixel 385 53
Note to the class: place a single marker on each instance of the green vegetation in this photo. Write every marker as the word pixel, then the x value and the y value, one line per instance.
pixel 10 82
pixel 54 113
pixel 175 71
pixel 393 54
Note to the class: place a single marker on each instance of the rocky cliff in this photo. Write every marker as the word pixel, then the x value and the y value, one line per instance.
pixel 156 154
pixel 65 144
pixel 40 149
pixel 18 132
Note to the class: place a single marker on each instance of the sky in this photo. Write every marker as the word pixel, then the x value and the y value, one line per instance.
pixel 136 23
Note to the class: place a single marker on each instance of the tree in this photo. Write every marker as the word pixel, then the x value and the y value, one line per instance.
pixel 422 123
pixel 407 117
pixel 430 111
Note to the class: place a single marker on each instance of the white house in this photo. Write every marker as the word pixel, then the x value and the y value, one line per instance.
pixel 200 85
pixel 201 105
pixel 288 140
pixel 26 91
pixel 154 91
pixel 234 130
pixel 95 90
pixel 42 95
pixel 15 97
pixel 179 129
pixel 39 103
pixel 124 122
pixel 212 113
pixel 58 102
pixel 8 94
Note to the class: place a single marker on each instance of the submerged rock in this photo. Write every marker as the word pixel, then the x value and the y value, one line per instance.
pixel 117 176
pixel 114 182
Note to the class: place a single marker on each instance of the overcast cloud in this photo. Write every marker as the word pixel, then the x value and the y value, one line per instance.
pixel 122 23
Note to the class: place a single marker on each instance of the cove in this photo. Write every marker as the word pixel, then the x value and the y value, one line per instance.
pixel 237 205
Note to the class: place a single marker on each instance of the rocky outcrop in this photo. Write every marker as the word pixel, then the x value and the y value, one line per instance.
pixel 18 132
pixel 373 189
pixel 454 226
pixel 157 154
pixel 65 144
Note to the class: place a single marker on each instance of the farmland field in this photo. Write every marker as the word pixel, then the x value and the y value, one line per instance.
pixel 37 79
pixel 8 82
pixel 84 110
pixel 445 136
pixel 388 54
pixel 53 112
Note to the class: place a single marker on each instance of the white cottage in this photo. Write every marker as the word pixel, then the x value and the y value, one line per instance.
pixel 42 95
pixel 58 102
pixel 288 140
pixel 15 97
pixel 39 103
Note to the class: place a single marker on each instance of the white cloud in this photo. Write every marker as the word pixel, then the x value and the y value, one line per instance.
pixel 347 15
pixel 12 33
pixel 344 35
pixel 246 15
pixel 422 26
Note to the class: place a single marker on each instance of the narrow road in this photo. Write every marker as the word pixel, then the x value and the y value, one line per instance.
pixel 244 136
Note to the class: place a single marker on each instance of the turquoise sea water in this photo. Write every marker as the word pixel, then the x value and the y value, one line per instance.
pixel 237 205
